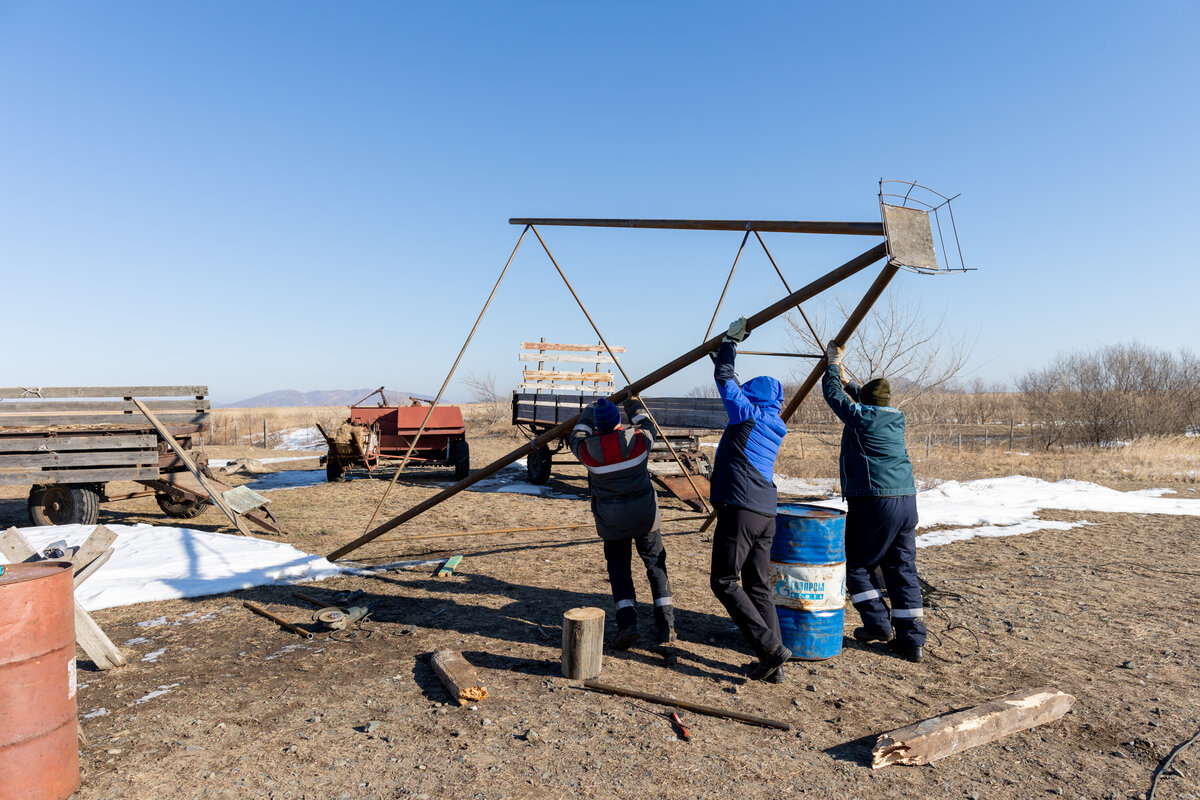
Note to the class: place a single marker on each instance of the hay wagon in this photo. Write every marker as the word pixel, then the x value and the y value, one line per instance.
pixel 374 434
pixel 548 397
pixel 70 442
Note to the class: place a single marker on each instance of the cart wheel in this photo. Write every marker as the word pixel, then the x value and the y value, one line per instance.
pixel 462 460
pixel 334 471
pixel 537 466
pixel 181 509
pixel 64 504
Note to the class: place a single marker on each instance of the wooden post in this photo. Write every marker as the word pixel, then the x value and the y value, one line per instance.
pixel 264 434
pixel 931 739
pixel 928 442
pixel 960 444
pixel 582 643
pixel 1010 434
pixel 458 676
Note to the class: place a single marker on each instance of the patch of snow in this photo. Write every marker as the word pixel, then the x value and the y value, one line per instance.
pixel 159 692
pixel 162 563
pixel 99 712
pixel 153 657
pixel 803 486
pixel 217 463
pixel 302 439
pixel 138 640
pixel 152 623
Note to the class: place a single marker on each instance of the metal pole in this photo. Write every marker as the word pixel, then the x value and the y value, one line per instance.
pixel 412 445
pixel 769 226
pixel 624 374
pixel 721 299
pixel 832 278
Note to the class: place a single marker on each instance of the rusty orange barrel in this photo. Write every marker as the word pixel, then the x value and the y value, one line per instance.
pixel 39 759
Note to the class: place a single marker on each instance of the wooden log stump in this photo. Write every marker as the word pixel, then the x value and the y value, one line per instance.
pixel 582 643
pixel 458 676
pixel 939 737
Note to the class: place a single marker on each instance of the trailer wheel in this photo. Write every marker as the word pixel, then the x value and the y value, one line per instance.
pixel 537 466
pixel 462 460
pixel 64 504
pixel 334 471
pixel 179 508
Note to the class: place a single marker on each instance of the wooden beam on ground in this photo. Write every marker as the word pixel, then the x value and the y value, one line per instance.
pixel 101 539
pixel 458 676
pixel 99 648
pixel 448 568
pixel 938 737
pixel 688 706
pixel 214 494
pixel 832 278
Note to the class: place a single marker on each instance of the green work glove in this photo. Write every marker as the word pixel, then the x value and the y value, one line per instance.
pixel 737 331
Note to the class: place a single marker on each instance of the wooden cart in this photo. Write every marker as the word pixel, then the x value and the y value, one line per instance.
pixel 70 442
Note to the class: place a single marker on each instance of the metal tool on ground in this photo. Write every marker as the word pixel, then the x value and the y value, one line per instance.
pixel 280 621
pixel 337 618
pixel 749 719
pixel 679 727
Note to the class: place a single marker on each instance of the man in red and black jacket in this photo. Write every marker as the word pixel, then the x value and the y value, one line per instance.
pixel 626 510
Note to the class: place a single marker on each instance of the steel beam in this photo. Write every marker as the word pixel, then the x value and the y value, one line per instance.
pixel 763 225
pixel 772 311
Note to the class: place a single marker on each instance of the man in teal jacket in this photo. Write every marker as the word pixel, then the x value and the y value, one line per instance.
pixel 877 482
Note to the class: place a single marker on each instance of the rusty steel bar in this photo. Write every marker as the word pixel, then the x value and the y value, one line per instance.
pixel 280 621
pixel 832 278
pixel 768 226
pixel 749 719
pixel 780 355
pixel 624 374
pixel 721 299
pixel 455 534
pixel 412 445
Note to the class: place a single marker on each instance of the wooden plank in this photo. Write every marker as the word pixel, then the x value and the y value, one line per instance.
pixel 448 568
pixel 558 387
pixel 214 495
pixel 938 737
pixel 565 375
pixel 102 458
pixel 458 676
pixel 571 348
pixel 599 358
pixel 91 569
pixel 34 443
pixel 50 392
pixel 30 476
pixel 99 648
pixel 73 406
pixel 10 420
pixel 93 547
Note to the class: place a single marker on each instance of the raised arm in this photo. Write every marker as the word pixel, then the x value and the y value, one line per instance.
pixel 737 406
pixel 639 418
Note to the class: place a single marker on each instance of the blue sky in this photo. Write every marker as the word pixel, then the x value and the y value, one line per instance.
pixel 315 195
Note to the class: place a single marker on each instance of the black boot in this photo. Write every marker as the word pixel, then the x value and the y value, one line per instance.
pixel 865 635
pixel 907 650
pixel 625 638
pixel 772 661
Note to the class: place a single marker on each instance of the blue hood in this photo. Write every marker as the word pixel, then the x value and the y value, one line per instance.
pixel 765 392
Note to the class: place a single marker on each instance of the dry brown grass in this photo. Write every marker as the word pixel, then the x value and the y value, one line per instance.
pixel 245 425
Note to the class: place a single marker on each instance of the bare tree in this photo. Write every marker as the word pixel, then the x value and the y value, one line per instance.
pixel 483 390
pixel 897 341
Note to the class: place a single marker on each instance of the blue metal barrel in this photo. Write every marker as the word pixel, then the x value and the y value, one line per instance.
pixel 808 578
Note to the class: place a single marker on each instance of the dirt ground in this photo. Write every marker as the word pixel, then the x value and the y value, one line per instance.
pixel 217 702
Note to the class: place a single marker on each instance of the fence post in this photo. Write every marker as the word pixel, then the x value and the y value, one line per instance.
pixel 1010 434
pixel 928 442
pixel 960 444
pixel 236 440
pixel 264 434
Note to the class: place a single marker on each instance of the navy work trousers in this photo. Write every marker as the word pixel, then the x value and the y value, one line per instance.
pixel 881 532
pixel 742 548
pixel 617 555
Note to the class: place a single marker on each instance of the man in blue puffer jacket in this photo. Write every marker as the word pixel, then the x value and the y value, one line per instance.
pixel 877 482
pixel 743 491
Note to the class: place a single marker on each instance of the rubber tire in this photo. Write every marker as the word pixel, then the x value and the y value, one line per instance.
pixel 64 504
pixel 537 466
pixel 334 471
pixel 462 460
pixel 181 509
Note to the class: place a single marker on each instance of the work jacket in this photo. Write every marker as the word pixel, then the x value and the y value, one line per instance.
pixel 623 499
pixel 874 461
pixel 744 469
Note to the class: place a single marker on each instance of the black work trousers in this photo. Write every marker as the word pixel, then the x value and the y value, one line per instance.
pixel 881 532
pixel 742 549
pixel 617 555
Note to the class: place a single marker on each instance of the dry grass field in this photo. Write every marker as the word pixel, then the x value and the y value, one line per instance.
pixel 1105 612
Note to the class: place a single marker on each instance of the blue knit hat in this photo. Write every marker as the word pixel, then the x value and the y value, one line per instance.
pixel 607 415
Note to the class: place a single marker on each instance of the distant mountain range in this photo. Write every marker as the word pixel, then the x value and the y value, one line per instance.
pixel 281 398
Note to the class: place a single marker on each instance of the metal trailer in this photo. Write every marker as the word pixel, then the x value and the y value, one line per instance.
pixel 385 432
pixel 70 442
